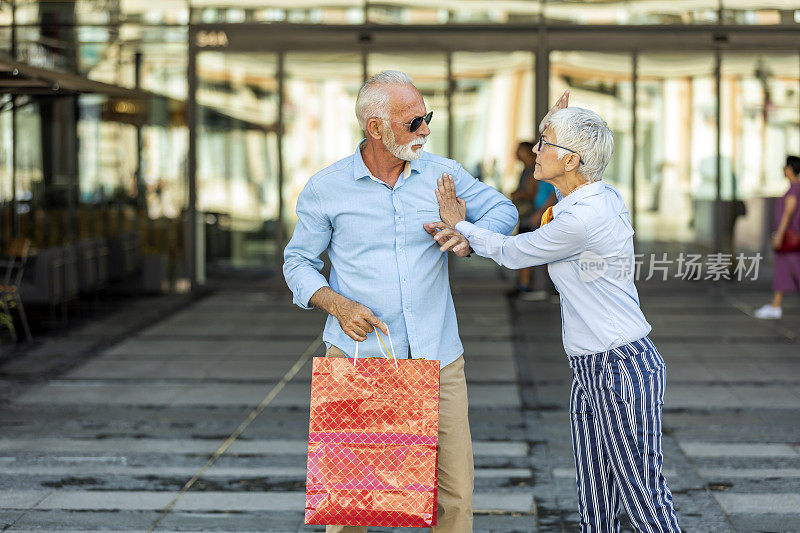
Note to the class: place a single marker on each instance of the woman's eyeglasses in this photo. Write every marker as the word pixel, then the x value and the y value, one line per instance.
pixel 542 141
pixel 415 122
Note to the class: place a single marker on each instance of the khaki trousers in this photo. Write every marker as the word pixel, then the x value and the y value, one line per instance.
pixel 456 468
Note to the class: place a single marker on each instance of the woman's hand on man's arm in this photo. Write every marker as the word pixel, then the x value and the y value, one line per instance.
pixel 449 239
pixel 452 209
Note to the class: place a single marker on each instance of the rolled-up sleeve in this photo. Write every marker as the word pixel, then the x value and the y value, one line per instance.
pixel 486 207
pixel 301 258
pixel 563 238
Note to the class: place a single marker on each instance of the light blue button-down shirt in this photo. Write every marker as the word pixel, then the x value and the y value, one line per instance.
pixel 380 254
pixel 588 249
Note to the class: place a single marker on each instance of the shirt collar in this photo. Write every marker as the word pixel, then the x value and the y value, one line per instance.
pixel 579 194
pixel 360 169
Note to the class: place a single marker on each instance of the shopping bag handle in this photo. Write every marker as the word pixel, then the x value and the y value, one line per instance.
pixel 381 347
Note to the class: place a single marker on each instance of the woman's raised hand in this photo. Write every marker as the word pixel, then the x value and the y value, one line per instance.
pixel 561 103
pixel 452 209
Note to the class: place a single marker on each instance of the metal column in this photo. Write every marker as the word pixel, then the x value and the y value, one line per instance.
pixel 191 124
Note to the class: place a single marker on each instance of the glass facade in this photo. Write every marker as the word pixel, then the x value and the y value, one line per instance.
pixel 675 146
pixel 319 122
pixel 603 83
pixel 492 111
pixel 638 12
pixel 110 156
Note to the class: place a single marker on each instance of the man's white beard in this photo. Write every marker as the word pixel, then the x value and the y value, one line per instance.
pixel 405 151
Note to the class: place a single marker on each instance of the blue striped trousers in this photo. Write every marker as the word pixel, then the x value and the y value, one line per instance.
pixel 615 410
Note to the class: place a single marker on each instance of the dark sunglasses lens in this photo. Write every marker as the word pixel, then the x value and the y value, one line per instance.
pixel 417 122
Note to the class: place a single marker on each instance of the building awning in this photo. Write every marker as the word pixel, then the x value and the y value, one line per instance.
pixel 128 106
pixel 22 79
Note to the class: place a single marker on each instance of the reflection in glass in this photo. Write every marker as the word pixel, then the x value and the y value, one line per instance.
pixel 6 15
pixel 164 53
pixel 5 40
pixel 154 11
pixel 320 123
pixel 31 194
pixel 455 12
pixel 760 127
pixel 761 11
pixel 492 112
pixel 237 174
pixel 99 55
pixel 601 82
pixel 6 184
pixel 760 118
pixel 311 12
pixel 107 154
pixel 676 147
pixel 632 11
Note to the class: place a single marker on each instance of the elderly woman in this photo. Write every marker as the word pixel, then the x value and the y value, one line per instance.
pixel 618 374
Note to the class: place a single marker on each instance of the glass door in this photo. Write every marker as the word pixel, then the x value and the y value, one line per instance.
pixel 320 128
pixel 492 113
pixel 602 82
pixel 237 160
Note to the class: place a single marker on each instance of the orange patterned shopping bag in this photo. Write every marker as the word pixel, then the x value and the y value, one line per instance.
pixel 372 457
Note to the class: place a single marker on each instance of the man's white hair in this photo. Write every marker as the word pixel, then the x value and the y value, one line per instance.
pixel 373 98
pixel 585 132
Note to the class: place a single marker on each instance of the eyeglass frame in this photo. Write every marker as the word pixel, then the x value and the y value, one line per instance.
pixel 542 141
pixel 427 118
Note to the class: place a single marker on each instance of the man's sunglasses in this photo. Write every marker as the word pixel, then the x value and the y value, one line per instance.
pixel 415 122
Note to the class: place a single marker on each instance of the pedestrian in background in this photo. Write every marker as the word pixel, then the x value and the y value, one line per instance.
pixel 532 198
pixel 786 243
pixel 523 200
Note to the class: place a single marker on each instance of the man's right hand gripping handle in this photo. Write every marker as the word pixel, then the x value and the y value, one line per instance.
pixel 355 319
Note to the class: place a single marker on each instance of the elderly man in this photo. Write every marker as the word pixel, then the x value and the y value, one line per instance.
pixel 586 240
pixel 368 211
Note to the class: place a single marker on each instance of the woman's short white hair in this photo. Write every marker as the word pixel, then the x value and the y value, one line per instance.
pixel 585 132
pixel 373 98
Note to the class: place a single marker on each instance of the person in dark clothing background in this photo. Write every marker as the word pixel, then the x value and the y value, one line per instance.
pixel 532 197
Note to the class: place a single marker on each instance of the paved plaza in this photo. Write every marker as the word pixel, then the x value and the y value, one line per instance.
pixel 197 421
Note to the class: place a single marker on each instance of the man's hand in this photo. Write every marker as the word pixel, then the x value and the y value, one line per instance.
pixel 448 238
pixel 355 319
pixel 560 104
pixel 452 210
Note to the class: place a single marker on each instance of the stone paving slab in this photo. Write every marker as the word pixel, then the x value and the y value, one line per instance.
pixel 749 473
pixel 210 394
pixel 233 479
pixel 761 523
pixel 759 503
pixel 210 501
pixel 721 449
pixel 195 446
